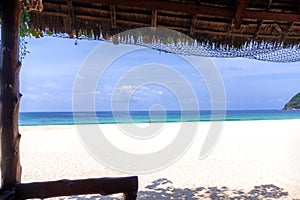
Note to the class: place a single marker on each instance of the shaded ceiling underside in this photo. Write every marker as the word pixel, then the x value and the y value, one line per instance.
pixel 217 24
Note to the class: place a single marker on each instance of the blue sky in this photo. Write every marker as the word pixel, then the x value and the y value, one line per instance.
pixel 51 68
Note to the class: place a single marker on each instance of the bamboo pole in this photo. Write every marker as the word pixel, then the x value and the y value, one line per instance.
pixel 10 96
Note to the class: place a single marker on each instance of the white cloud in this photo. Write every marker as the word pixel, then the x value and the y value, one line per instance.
pixel 146 93
pixel 134 93
pixel 42 97
pixel 126 89
pixel 50 85
pixel 31 88
pixel 42 86
pixel 123 93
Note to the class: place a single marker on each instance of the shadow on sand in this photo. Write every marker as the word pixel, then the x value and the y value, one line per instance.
pixel 163 189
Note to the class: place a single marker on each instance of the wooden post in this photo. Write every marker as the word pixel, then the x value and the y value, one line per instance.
pixel 9 93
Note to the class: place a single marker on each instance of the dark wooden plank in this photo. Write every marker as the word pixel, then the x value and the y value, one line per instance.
pixel 7 194
pixel 193 25
pixel 167 6
pixel 71 18
pixel 182 29
pixel 197 9
pixel 239 14
pixel 154 18
pixel 10 96
pixel 258 28
pixel 272 16
pixel 286 35
pixel 104 186
pixel 113 16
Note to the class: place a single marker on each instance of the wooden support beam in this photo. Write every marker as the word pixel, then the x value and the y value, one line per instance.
pixel 154 18
pixel 104 186
pixel 113 16
pixel 245 35
pixel 239 14
pixel 10 95
pixel 166 5
pixel 193 26
pixel 196 9
pixel 181 29
pixel 85 17
pixel 71 11
pixel 54 14
pixel 277 28
pixel 272 16
pixel 269 4
pixel 71 18
pixel 286 35
pixel 192 9
pixel 258 28
pixel 67 25
pixel 232 4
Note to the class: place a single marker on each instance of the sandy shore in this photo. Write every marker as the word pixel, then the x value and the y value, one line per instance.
pixel 252 160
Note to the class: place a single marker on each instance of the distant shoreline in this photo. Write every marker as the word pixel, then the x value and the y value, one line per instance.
pixel 203 121
pixel 69 118
pixel 291 109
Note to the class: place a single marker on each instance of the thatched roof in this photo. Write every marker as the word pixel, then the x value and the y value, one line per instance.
pixel 260 29
pixel 231 22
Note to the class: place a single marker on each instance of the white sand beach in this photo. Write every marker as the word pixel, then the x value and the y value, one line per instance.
pixel 252 159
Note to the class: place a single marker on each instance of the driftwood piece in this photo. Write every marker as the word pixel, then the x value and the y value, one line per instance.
pixel 104 186
pixel 10 96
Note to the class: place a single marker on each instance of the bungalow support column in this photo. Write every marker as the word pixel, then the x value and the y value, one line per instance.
pixel 9 94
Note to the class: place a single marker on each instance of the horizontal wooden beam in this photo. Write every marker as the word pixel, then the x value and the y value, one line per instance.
pixel 166 5
pixel 198 9
pixel 190 9
pixel 76 16
pixel 272 16
pixel 61 9
pixel 85 17
pixel 181 29
pixel 245 35
pixel 103 18
pixel 103 186
pixel 224 34
pixel 54 14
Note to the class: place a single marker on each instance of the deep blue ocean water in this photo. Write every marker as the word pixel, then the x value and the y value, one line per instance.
pixel 105 117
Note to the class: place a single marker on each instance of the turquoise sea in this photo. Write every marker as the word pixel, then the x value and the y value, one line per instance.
pixel 106 117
